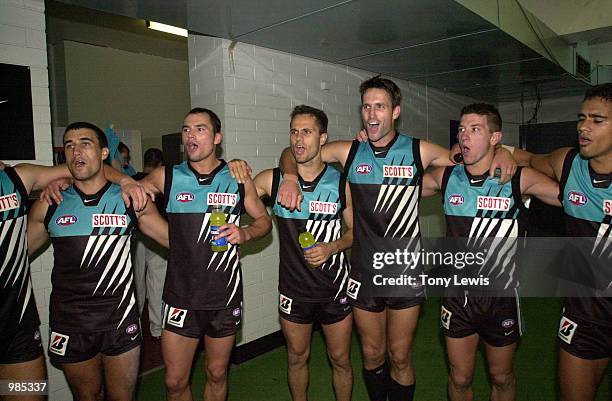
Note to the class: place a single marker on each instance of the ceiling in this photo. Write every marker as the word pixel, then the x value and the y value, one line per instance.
pixel 434 42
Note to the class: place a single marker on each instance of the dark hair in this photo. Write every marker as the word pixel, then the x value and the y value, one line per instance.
pixel 494 120
pixel 85 125
pixel 153 157
pixel 385 84
pixel 122 146
pixel 603 91
pixel 214 119
pixel 319 115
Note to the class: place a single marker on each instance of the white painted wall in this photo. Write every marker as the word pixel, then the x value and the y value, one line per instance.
pixel 23 42
pixel 134 91
pixel 254 89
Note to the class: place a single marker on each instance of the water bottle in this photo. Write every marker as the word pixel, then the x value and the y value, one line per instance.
pixel 217 219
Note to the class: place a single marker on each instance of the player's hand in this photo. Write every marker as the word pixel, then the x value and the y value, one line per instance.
pixel 53 192
pixel 240 170
pixel 504 161
pixel 456 157
pixel 362 136
pixel 289 194
pixel 318 254
pixel 134 193
pixel 233 234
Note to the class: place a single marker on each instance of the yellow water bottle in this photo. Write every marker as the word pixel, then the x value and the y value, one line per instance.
pixel 307 241
pixel 217 219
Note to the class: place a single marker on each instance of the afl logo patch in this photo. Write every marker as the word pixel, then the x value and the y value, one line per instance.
pixel 236 312
pixel 506 324
pixel 456 200
pixel 185 197
pixel 577 198
pixel 131 329
pixel 66 220
pixel 363 168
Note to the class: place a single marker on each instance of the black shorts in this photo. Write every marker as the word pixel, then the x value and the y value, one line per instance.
pixel 328 312
pixel 583 339
pixel 198 323
pixel 21 343
pixel 72 347
pixel 378 304
pixel 496 319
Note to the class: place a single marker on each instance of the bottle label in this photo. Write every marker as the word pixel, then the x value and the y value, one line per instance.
pixel 310 247
pixel 214 231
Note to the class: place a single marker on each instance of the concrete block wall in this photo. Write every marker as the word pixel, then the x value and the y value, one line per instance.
pixel 23 42
pixel 254 89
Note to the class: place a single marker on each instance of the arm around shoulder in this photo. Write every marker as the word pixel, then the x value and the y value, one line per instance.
pixel 153 225
pixel 262 223
pixel 37 232
pixel 541 186
pixel 263 183
pixel 155 180
pixel 550 164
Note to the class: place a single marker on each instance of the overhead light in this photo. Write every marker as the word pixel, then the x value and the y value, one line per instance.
pixel 167 28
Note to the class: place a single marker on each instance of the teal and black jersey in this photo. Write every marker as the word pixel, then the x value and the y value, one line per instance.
pixel 587 203
pixel 16 296
pixel 479 208
pixel 92 280
pixel 386 188
pixel 197 277
pixel 324 202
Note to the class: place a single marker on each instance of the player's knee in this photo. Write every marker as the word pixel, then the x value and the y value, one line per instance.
pixel 176 383
pixel 88 392
pixel 374 354
pixel 340 360
pixel 400 359
pixel 461 382
pixel 503 381
pixel 297 357
pixel 124 396
pixel 216 373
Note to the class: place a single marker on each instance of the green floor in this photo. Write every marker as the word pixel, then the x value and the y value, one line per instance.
pixel 264 378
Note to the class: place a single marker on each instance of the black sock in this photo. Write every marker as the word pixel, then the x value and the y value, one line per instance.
pixel 399 392
pixel 376 381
